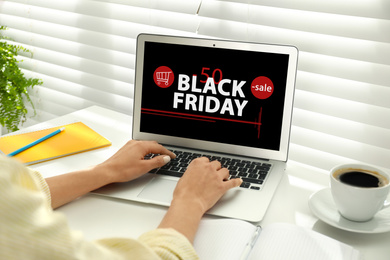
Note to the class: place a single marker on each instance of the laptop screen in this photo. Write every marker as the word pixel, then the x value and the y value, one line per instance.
pixel 231 97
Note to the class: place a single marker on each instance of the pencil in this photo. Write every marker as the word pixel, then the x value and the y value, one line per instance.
pixel 36 142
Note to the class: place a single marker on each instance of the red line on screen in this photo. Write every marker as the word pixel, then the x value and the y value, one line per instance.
pixel 185 117
pixel 258 127
pixel 191 116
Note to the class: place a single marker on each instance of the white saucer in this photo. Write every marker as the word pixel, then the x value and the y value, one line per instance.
pixel 322 205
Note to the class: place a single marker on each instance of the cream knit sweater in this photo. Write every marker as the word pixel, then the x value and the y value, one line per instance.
pixel 30 229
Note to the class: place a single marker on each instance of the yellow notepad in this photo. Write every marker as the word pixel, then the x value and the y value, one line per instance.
pixel 76 138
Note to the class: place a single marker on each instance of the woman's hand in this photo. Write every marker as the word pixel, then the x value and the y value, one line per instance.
pixel 204 183
pixel 128 163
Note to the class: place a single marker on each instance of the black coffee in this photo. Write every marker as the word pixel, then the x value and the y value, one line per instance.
pixel 360 179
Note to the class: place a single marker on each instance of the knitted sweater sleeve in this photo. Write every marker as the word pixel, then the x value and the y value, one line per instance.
pixel 30 229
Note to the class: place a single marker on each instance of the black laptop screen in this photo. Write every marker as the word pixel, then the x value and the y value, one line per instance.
pixel 214 94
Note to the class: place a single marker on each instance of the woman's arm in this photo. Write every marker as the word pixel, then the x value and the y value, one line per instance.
pixel 201 186
pixel 125 165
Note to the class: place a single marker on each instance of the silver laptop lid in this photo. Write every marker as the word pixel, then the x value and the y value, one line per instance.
pixel 215 95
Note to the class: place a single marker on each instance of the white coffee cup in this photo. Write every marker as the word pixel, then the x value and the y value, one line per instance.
pixel 353 201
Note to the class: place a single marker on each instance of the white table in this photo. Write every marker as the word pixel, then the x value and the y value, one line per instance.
pixel 99 217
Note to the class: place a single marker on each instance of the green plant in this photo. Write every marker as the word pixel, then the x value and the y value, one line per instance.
pixel 13 86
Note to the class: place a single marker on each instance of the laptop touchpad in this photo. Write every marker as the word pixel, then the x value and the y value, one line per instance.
pixel 158 190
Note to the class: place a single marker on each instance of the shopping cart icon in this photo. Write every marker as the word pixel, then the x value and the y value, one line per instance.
pixel 163 77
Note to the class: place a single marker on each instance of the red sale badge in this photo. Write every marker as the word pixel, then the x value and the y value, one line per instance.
pixel 262 87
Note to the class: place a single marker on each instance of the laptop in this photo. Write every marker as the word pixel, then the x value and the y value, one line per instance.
pixel 229 101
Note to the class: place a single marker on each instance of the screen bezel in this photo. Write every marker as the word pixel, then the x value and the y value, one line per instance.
pixel 281 154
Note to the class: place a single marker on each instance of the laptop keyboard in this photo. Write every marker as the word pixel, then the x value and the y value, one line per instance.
pixel 253 173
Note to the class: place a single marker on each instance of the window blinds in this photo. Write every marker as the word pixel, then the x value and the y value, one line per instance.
pixel 84 52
